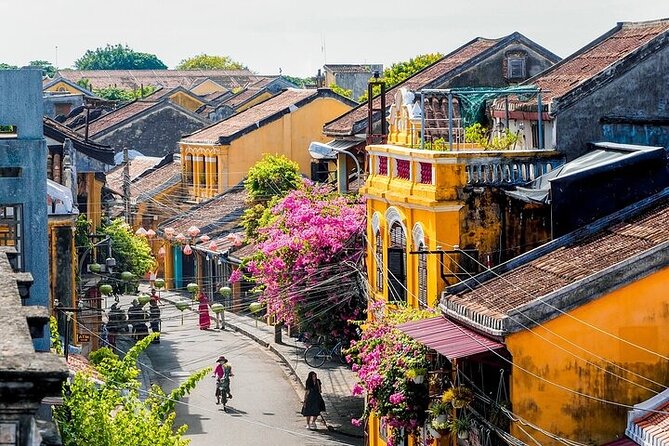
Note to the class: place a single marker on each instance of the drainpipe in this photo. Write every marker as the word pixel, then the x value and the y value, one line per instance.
pixel 450 121
pixel 540 132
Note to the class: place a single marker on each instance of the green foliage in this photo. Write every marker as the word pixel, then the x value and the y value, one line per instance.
pixel 99 355
pixel 118 57
pixel 272 176
pixel 123 95
pixel 47 68
pixel 132 253
pixel 400 71
pixel 478 134
pixel 56 345
pixel 85 83
pixel 83 228
pixel 207 62
pixel 341 91
pixel 110 413
pixel 301 82
pixel 4 66
pixel 257 216
pixel 438 144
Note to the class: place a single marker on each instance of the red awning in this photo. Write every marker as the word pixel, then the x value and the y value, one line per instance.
pixel 448 338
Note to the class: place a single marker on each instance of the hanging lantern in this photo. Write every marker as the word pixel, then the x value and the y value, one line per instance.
pixel 225 291
pixel 159 283
pixel 141 232
pixel 106 289
pixel 204 238
pixel 188 250
pixel 213 246
pixel 161 252
pixel 169 233
pixel 126 275
pixel 180 238
pixel 150 233
pixel 193 231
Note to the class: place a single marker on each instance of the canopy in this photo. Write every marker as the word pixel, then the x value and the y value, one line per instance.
pixel 448 338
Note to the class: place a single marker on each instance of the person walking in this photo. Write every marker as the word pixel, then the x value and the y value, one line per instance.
pixel 154 319
pixel 117 320
pixel 203 309
pixel 223 372
pixel 313 402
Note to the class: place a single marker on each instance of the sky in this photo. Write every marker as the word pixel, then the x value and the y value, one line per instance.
pixel 299 36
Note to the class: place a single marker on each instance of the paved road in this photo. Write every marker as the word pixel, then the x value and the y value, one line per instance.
pixel 265 407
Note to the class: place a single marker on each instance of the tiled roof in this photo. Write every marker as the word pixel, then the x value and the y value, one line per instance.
pixel 132 79
pixel 221 214
pixel 117 116
pixel 244 252
pixel 654 426
pixel 251 117
pixel 243 97
pixel 79 364
pixel 596 57
pixel 344 125
pixel 155 182
pixel 563 265
pixel 59 132
pixel 138 166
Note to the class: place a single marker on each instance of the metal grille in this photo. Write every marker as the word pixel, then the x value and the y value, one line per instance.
pixel 403 169
pixel 397 264
pixel 425 173
pixel 11 233
pixel 379 261
pixel 383 165
pixel 422 277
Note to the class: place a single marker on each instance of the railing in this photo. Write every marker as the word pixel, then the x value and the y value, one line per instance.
pixel 512 172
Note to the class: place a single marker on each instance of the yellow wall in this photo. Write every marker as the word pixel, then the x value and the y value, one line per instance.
pixel 94 205
pixel 290 136
pixel 186 101
pixel 62 87
pixel 207 87
pixel 256 100
pixel 637 313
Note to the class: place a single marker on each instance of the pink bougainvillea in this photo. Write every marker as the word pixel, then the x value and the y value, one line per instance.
pixel 308 262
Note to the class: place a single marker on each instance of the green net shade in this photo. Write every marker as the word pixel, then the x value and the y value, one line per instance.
pixel 217 308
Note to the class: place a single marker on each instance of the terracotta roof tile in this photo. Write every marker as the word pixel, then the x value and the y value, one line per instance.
pixel 153 183
pixel 655 425
pixel 568 264
pixel 249 117
pixel 344 125
pixel 138 166
pixel 117 116
pixel 590 61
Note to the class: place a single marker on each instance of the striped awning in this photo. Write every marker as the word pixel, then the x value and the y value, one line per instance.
pixel 448 338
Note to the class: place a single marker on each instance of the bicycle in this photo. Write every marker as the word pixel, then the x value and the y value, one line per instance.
pixel 316 355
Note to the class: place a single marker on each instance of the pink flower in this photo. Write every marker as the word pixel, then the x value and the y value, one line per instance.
pixel 236 276
pixel 396 398
pixel 358 389
pixel 356 422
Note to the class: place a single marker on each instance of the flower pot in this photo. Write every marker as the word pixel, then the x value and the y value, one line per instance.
pixel 433 432
pixel 419 379
pixel 463 435
pixel 441 418
pixel 458 404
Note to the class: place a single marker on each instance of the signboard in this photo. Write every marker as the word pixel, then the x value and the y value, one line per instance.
pixel 83 337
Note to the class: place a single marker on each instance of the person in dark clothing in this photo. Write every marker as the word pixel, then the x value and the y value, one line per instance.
pixel 117 323
pixel 313 402
pixel 154 318
pixel 137 318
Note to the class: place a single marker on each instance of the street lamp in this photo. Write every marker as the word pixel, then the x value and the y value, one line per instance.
pixel 320 151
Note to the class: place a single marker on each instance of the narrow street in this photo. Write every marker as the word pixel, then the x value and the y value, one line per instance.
pixel 265 402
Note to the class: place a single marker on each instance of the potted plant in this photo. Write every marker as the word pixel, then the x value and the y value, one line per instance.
pixel 439 427
pixel 417 374
pixel 439 411
pixel 460 426
pixel 458 397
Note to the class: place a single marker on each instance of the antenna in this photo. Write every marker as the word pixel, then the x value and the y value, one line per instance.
pixel 323 50
pixel 56 57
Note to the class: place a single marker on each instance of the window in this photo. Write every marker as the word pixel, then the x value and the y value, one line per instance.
pixel 403 169
pixel 425 173
pixel 397 264
pixel 383 165
pixel 203 172
pixel 11 233
pixel 379 261
pixel 188 170
pixel 422 276
pixel 214 174
pixel 516 68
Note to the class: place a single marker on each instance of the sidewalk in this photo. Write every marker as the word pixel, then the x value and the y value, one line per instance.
pixel 337 380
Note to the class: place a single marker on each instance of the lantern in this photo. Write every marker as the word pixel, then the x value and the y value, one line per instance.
pixel 106 289
pixel 169 233
pixel 159 283
pixel 225 291
pixel 161 252
pixel 126 275
pixel 192 287
pixel 141 232
pixel 181 306
pixel 213 246
pixel 188 250
pixel 180 238
pixel 143 299
pixel 150 233
pixel 193 231
pixel 217 308
pixel 255 307
pixel 95 267
pixel 204 238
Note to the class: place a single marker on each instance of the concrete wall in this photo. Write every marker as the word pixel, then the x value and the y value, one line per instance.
pixel 21 105
pixel 153 134
pixel 357 82
pixel 637 313
pixel 640 92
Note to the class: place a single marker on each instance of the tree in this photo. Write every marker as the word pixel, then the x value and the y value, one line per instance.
pixel 341 91
pixel 118 57
pixel 110 413
pixel 4 66
pixel 123 95
pixel 308 260
pixel 401 71
pixel 47 68
pixel 269 179
pixel 207 62
pixel 132 253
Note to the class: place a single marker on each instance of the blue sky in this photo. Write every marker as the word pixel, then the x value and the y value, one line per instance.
pixel 299 36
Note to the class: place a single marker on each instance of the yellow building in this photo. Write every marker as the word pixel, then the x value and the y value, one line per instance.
pixel 218 157
pixel 584 322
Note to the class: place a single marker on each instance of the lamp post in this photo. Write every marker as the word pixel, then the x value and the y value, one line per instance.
pixel 319 151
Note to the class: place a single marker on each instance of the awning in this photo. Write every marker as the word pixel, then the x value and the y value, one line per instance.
pixel 448 338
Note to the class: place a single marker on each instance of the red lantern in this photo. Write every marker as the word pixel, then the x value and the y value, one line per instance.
pixel 188 250
pixel 213 246
pixel 204 238
pixel 141 232
pixel 150 233
pixel 193 231
pixel 180 238
pixel 161 252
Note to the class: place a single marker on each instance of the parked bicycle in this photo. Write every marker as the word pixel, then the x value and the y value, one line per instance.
pixel 316 355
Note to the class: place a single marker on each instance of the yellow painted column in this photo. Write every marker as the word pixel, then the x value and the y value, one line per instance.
pixel 196 175
pixel 168 266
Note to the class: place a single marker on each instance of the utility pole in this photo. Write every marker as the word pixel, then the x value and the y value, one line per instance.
pixel 126 184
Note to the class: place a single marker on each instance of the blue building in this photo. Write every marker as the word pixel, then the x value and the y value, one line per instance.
pixel 23 154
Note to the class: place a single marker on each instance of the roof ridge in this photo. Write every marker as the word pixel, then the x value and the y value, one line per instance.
pixel 644 23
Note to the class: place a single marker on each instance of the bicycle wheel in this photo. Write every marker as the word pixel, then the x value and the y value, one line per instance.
pixel 315 356
pixel 337 351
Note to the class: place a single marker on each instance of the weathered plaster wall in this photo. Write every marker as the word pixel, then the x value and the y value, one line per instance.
pixel 638 313
pixel 154 134
pixel 640 92
pixel 356 82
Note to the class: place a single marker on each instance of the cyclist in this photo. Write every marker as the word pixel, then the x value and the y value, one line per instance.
pixel 223 372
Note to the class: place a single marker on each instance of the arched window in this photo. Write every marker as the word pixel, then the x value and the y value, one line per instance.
pixel 379 260
pixel 397 264
pixel 422 276
pixel 188 170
